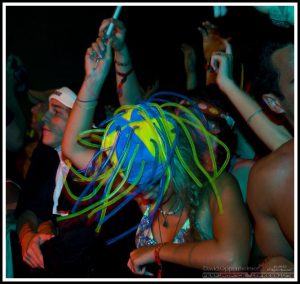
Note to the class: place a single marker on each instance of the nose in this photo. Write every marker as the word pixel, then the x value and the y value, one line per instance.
pixel 46 116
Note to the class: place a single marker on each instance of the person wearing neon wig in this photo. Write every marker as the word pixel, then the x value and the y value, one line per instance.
pixel 147 153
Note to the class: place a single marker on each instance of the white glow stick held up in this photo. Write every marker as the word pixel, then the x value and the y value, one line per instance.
pixel 115 17
pixel 108 33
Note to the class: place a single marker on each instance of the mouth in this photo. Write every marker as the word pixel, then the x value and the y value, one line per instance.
pixel 45 130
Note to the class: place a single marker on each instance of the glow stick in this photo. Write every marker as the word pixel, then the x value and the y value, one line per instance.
pixel 115 17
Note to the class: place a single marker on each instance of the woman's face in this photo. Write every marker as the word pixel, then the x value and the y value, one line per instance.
pixel 151 193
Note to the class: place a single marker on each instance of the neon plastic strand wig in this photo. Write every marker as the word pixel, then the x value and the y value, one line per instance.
pixel 135 151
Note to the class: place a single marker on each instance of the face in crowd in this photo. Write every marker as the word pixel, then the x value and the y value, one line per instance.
pixel 55 121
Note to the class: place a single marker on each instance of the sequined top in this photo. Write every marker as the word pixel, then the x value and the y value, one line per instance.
pixel 144 235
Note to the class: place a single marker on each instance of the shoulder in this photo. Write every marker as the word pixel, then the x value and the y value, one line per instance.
pixel 272 176
pixel 276 167
pixel 276 161
pixel 229 191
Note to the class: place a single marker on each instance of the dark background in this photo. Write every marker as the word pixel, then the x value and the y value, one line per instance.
pixel 51 41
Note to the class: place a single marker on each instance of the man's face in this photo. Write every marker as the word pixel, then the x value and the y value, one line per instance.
pixel 283 61
pixel 55 121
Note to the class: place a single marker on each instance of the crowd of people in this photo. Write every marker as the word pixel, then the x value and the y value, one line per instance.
pixel 168 184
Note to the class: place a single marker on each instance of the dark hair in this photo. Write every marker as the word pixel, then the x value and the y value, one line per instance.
pixel 267 76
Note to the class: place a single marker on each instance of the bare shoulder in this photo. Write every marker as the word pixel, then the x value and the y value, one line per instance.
pixel 276 167
pixel 272 177
pixel 226 181
pixel 274 162
pixel 228 189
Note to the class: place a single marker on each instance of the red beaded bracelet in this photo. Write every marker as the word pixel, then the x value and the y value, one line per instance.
pixel 157 258
pixel 120 85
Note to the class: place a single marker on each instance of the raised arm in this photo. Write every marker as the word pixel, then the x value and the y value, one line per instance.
pixel 271 134
pixel 81 117
pixel 128 87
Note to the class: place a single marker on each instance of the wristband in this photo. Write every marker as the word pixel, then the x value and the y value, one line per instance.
pixel 157 258
pixel 253 114
pixel 89 104
pixel 87 101
pixel 120 85
pixel 122 64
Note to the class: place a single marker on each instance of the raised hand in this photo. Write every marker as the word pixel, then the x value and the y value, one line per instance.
pixel 98 58
pixel 118 35
pixel 212 42
pixel 222 64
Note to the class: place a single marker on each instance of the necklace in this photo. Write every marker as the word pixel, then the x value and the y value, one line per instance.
pixel 174 234
pixel 168 213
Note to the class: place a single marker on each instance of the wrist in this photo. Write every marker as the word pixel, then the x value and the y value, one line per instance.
pixel 91 87
pixel 25 236
pixel 122 55
pixel 157 258
pixel 46 227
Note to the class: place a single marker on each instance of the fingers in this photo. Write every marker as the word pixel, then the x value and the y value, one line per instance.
pixel 33 256
pixel 45 237
pixel 118 25
pixel 103 27
pixel 203 31
pixel 208 28
pixel 130 265
pixel 219 58
pixel 138 270
pixel 97 50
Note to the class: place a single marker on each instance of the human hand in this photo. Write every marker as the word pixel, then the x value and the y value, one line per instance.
pixel 98 59
pixel 139 258
pixel 212 40
pixel 46 227
pixel 118 35
pixel 222 64
pixel 189 58
pixel 31 252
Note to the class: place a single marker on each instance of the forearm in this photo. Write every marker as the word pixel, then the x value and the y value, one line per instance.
pixel 206 255
pixel 27 224
pixel 130 90
pixel 81 119
pixel 271 134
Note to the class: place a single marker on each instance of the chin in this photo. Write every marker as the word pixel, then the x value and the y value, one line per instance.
pixel 49 142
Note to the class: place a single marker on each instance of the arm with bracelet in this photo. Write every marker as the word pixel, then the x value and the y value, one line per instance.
pixel 228 248
pixel 81 116
pixel 271 134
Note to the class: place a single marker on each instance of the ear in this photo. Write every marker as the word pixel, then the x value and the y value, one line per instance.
pixel 273 103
